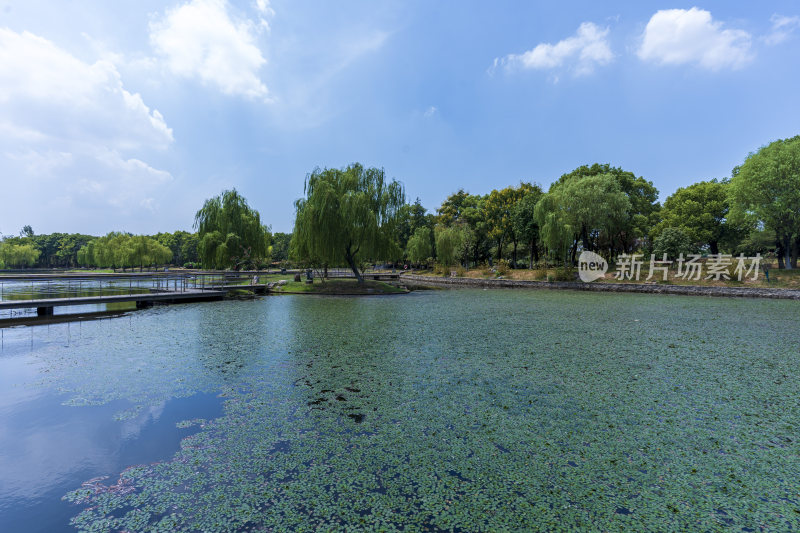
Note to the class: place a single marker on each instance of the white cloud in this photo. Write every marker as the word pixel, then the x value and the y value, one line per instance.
pixel 680 36
pixel 200 40
pixel 67 123
pixel 265 12
pixel 782 28
pixel 430 111
pixel 49 91
pixel 581 52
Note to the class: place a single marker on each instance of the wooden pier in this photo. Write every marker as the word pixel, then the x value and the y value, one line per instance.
pixel 44 306
pixel 167 288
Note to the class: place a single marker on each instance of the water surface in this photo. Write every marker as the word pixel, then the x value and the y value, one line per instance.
pixel 446 410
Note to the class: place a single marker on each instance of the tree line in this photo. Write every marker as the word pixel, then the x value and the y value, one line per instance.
pixel 355 216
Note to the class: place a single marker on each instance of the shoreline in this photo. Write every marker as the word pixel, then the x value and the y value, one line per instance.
pixel 690 290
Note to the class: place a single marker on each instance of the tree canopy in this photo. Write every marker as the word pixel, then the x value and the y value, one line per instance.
pixel 17 255
pixel 348 215
pixel 123 250
pixel 419 248
pixel 766 188
pixel 230 232
pixel 701 210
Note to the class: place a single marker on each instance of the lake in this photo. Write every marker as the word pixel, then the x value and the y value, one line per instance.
pixel 459 410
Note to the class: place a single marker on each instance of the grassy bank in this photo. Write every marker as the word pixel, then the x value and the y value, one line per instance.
pixel 340 286
pixel 778 279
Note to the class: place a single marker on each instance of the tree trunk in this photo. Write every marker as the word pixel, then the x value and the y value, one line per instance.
pixel 325 267
pixel 787 250
pixel 714 246
pixel 499 249
pixel 351 262
pixel 530 259
pixel 585 237
pixel 514 256
pixel 795 250
pixel 574 253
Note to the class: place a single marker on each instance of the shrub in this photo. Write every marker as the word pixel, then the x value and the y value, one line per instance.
pixel 460 271
pixel 440 269
pixel 502 267
pixel 562 274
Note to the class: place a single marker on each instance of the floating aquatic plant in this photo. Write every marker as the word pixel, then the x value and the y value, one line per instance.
pixel 462 410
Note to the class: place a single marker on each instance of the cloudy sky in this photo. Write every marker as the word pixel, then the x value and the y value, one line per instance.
pixel 126 115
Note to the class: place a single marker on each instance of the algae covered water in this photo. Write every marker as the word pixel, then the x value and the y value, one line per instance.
pixel 447 410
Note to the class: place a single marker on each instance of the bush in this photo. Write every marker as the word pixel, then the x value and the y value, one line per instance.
pixel 502 267
pixel 460 271
pixel 440 269
pixel 562 274
pixel 486 270
pixel 540 274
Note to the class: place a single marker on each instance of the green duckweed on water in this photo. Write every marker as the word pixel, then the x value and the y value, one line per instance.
pixel 453 411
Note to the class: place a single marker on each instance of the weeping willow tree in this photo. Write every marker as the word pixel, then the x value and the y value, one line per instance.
pixel 230 232
pixel 123 250
pixel 347 216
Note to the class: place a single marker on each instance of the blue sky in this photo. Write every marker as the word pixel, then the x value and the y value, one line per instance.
pixel 126 115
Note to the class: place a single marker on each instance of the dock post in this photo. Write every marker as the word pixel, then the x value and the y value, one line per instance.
pixel 44 311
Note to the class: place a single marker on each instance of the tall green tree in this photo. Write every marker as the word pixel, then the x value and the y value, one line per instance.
pixel 555 229
pixel 673 242
pixel 467 212
pixel 524 221
pixel 409 219
pixel 449 242
pixel 123 250
pixel 419 247
pixel 348 216
pixel 280 246
pixel 499 209
pixel 17 255
pixel 701 211
pixel 766 188
pixel 230 232
pixel 643 211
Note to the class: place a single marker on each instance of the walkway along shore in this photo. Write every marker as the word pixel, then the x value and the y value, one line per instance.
pixel 654 288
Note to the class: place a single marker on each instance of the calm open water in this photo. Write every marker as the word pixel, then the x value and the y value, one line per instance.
pixel 463 410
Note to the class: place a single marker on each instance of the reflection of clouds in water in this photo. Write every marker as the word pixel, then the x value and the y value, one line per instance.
pixel 44 446
pixel 132 428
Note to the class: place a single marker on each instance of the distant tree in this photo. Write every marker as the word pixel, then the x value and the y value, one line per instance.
pixel 643 211
pixel 189 249
pixel 280 246
pixel 757 241
pixel 410 217
pixel 701 210
pixel 122 250
pixel 525 227
pixel 589 209
pixel 466 212
pixel 230 232
pixel 419 247
pixel 766 188
pixel 348 216
pixel 449 241
pixel 499 212
pixel 17 255
pixel 673 242
pixel 27 231
pixel 556 232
